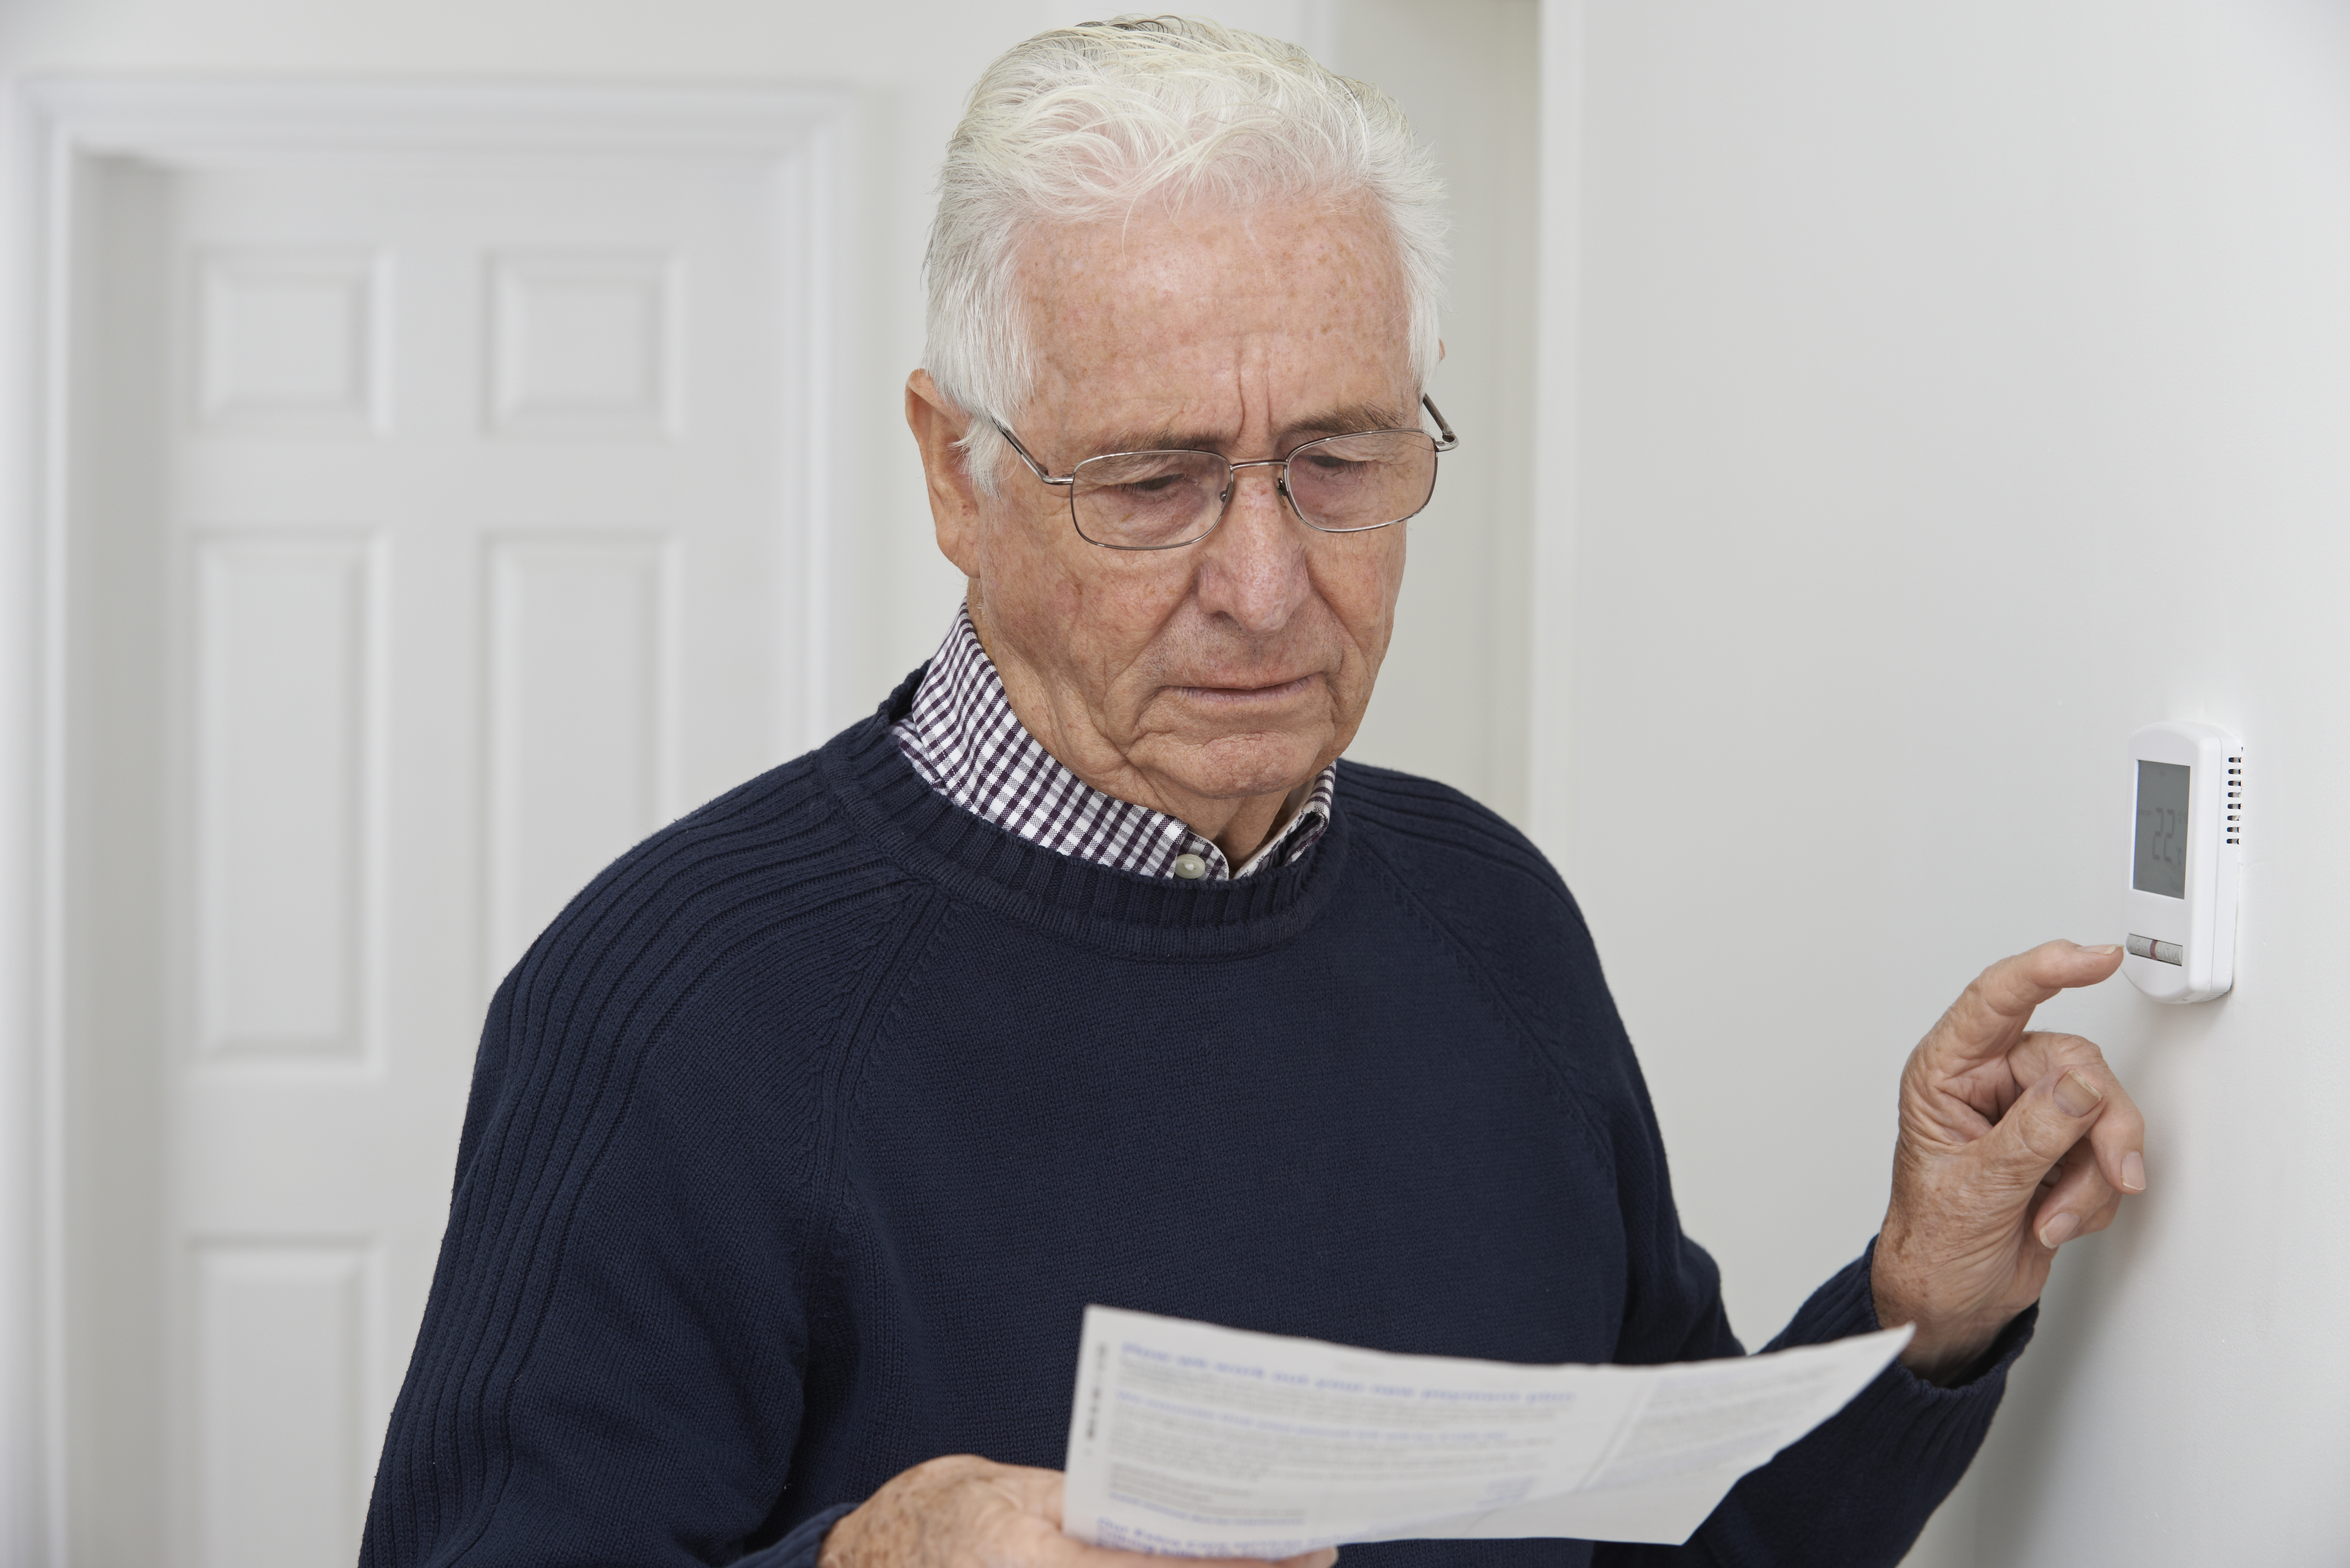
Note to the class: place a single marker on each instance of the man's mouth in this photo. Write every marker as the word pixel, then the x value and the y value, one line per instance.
pixel 1270 692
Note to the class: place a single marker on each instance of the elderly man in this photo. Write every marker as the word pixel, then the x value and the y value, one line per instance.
pixel 1084 970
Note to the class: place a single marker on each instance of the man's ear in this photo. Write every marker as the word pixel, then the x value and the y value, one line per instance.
pixel 937 425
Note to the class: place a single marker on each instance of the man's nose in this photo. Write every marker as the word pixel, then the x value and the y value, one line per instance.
pixel 1253 567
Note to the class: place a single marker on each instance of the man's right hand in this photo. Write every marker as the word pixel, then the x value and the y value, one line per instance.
pixel 966 1513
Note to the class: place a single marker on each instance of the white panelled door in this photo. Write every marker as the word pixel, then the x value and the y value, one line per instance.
pixel 437 532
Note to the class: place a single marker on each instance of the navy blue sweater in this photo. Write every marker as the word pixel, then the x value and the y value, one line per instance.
pixel 799 1142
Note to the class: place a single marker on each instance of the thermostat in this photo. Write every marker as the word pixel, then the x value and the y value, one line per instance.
pixel 2186 840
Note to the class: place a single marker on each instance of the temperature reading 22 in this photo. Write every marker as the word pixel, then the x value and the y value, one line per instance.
pixel 2159 865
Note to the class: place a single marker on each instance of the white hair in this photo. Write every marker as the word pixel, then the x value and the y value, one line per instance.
pixel 1086 123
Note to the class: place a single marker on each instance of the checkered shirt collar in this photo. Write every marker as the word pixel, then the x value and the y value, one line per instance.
pixel 962 737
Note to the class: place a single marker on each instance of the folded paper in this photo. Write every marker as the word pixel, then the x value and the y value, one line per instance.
pixel 1192 1439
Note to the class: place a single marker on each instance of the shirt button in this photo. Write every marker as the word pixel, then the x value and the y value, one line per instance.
pixel 1190 868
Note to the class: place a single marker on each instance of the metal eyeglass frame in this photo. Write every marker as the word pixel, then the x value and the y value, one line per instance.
pixel 1448 441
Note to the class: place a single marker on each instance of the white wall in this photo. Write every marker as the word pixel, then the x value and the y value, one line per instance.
pixel 1955 389
pixel 1451 699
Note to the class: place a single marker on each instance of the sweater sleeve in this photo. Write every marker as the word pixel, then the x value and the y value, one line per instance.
pixel 605 1374
pixel 804 1545
pixel 1856 1490
pixel 613 1363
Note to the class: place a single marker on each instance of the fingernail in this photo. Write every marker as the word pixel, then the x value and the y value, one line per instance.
pixel 2075 1096
pixel 2103 948
pixel 2059 1230
pixel 2134 1171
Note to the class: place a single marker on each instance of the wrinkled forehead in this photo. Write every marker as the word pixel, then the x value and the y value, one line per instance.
pixel 1179 308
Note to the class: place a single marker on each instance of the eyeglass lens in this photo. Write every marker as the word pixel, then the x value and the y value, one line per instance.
pixel 1153 500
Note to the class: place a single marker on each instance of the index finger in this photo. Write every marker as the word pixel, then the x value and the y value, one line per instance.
pixel 1991 1015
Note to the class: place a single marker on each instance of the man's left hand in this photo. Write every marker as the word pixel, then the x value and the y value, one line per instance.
pixel 2013 1143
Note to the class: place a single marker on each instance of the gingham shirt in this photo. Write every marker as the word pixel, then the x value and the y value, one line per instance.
pixel 965 740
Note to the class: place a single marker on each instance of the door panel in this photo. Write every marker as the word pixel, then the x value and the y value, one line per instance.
pixel 434 546
pixel 279 712
pixel 579 718
pixel 280 1368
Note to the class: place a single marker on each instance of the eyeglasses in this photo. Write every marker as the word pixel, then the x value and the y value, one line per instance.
pixel 1338 484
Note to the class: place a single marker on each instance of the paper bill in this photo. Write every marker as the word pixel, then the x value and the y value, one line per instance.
pixel 1193 1440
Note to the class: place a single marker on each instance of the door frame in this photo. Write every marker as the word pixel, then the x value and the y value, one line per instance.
pixel 807 141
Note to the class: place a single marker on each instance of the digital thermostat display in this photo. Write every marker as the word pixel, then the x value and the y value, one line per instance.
pixel 2187 829
pixel 2159 865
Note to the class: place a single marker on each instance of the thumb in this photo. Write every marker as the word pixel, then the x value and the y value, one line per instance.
pixel 2046 1121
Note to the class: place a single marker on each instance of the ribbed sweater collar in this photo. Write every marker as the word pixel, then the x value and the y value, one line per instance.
pixel 1075 900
